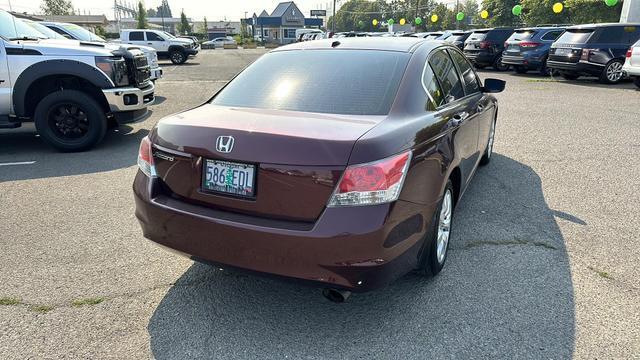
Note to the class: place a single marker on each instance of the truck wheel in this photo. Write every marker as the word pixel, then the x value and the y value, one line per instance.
pixel 177 57
pixel 70 120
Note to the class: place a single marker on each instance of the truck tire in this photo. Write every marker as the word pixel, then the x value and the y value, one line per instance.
pixel 70 120
pixel 177 57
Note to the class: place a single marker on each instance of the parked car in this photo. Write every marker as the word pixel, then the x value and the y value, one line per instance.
pixel 593 49
pixel 458 37
pixel 50 34
pixel 301 32
pixel 75 32
pixel 178 50
pixel 69 89
pixel 484 47
pixel 221 42
pixel 631 66
pixel 528 48
pixel 328 184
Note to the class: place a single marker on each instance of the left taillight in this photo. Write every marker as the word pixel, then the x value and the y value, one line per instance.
pixel 145 158
pixel 372 183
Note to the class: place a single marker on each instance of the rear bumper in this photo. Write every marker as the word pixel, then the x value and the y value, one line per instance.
pixel 521 61
pixel 129 98
pixel 352 248
pixel 580 67
pixel 631 70
pixel 481 58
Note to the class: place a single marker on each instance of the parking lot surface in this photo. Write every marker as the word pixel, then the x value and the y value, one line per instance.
pixel 543 262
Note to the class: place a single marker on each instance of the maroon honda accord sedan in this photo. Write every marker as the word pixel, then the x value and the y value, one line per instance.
pixel 337 162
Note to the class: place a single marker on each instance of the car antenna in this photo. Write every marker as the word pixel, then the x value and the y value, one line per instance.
pixel 13 18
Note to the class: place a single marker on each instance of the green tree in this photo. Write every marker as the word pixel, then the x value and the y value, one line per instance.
pixel 592 11
pixel 100 31
pixel 205 26
pixel 151 12
pixel 500 12
pixel 164 10
pixel 141 17
pixel 184 27
pixel 56 7
pixel 471 11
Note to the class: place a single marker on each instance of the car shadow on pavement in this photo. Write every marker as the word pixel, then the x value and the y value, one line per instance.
pixel 506 292
pixel 118 149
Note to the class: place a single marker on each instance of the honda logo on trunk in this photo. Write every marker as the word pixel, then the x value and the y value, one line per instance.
pixel 224 144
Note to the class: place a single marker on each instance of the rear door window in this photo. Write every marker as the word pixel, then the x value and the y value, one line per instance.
pixel 551 35
pixel 609 35
pixel 355 82
pixel 447 76
pixel 432 87
pixel 575 36
pixel 469 78
pixel 136 36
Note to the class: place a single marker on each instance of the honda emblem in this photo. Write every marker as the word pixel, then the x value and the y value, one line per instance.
pixel 224 144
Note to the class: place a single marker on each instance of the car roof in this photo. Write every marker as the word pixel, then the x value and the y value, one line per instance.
pixel 593 26
pixel 541 28
pixel 400 44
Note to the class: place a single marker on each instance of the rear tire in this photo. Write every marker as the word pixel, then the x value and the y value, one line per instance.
pixel 612 73
pixel 436 242
pixel 70 120
pixel 488 151
pixel 499 66
pixel 569 76
pixel 520 69
pixel 177 57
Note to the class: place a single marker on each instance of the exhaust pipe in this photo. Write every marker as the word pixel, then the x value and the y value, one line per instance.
pixel 335 295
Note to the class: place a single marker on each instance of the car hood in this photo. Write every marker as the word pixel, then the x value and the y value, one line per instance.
pixel 60 47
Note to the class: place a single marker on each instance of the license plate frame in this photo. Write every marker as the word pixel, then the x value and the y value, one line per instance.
pixel 208 185
pixel 564 52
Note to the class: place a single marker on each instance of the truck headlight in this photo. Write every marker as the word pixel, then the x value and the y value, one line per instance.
pixel 115 68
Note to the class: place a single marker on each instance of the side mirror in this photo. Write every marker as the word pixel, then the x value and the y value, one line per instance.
pixel 493 85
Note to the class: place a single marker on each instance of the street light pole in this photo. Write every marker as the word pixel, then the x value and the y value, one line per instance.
pixel 333 18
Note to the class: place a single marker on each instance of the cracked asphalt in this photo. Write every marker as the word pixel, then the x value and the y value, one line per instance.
pixel 543 262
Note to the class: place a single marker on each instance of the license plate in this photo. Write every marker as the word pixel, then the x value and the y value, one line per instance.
pixel 564 52
pixel 229 178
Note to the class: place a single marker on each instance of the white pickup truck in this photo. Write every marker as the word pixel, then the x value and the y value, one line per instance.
pixel 71 90
pixel 75 32
pixel 178 50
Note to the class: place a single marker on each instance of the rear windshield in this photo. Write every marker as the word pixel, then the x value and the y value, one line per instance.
pixel 456 37
pixel 478 35
pixel 575 36
pixel 354 82
pixel 520 35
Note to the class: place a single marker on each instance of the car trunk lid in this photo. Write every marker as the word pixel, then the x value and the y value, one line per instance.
pixel 297 157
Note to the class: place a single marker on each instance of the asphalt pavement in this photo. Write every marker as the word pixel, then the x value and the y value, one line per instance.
pixel 544 259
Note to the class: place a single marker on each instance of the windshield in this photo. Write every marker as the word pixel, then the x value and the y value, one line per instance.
pixel 169 35
pixel 353 82
pixel 81 33
pixel 43 30
pixel 575 36
pixel 12 28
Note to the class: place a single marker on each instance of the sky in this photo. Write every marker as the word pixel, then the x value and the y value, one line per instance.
pixel 214 10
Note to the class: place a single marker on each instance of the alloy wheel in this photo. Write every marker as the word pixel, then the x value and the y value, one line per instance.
pixel 444 226
pixel 492 134
pixel 614 71
pixel 68 121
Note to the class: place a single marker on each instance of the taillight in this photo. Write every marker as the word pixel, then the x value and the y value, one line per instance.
pixel 372 183
pixel 529 44
pixel 628 55
pixel 585 54
pixel 485 44
pixel 145 158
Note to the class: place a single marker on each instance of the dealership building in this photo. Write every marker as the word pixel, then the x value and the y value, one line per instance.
pixel 280 26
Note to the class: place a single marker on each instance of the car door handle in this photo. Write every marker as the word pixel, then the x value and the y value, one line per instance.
pixel 480 108
pixel 149 43
pixel 1 81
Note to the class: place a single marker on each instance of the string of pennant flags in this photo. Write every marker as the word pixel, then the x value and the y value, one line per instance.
pixel 484 14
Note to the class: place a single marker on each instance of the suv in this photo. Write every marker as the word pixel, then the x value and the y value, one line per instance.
pixel 75 32
pixel 595 49
pixel 458 38
pixel 528 48
pixel 632 63
pixel 70 90
pixel 484 47
pixel 177 49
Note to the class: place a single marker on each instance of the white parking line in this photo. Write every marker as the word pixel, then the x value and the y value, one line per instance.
pixel 18 163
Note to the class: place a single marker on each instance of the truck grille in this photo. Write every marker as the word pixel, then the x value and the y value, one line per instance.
pixel 139 68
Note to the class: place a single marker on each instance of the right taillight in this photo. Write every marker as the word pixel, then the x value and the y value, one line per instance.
pixel 145 158
pixel 372 183
pixel 628 55
pixel 529 44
